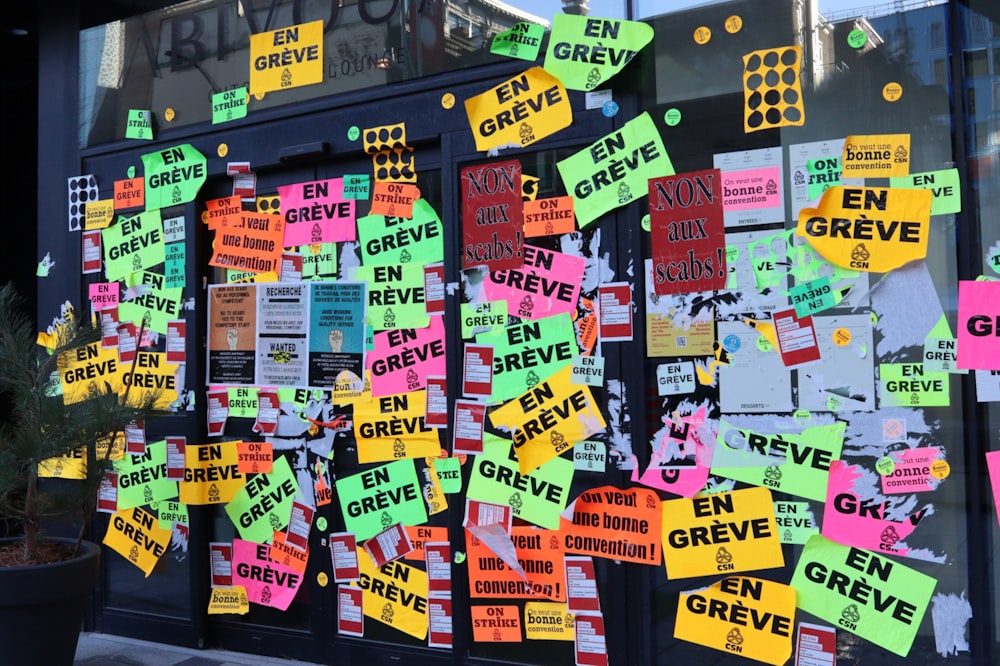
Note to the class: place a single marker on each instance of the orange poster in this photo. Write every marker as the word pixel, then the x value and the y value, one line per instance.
pixel 251 242
pixel 496 624
pixel 616 524
pixel 541 556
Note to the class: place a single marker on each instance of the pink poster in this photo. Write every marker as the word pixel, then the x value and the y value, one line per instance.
pixel 317 212
pixel 403 358
pixel 682 458
pixel 750 189
pixel 850 520
pixel 547 284
pixel 978 319
pixel 912 471
pixel 993 466
pixel 267 583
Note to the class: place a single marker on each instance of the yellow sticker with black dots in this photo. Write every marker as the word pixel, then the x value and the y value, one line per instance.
pixel 385 137
pixel 395 166
pixel 772 88
pixel 270 204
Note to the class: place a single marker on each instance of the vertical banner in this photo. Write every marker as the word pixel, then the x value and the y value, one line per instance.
pixel 492 217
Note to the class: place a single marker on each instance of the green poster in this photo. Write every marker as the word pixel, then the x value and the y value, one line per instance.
pixel 395 296
pixel 584 52
pixel 450 473
pixel 162 305
pixel 812 297
pixel 140 124
pixel 386 241
pixel 867 594
pixel 526 354
pixel 909 385
pixel 170 513
pixel 538 497
pixel 264 504
pixel 319 261
pixel 480 317
pixel 243 402
pixel 945 187
pixel 133 244
pixel 615 169
pixel 522 41
pixel 173 269
pixel 795 521
pixel 173 175
pixel 823 174
pixel 142 478
pixel 381 497
pixel 941 349
pixel 807 461
pixel 229 105
pixel 357 186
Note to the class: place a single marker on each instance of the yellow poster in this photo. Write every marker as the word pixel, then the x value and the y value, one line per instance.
pixel 229 600
pixel 869 228
pixel 722 532
pixel 85 371
pixel 392 427
pixel 549 418
pixel 71 466
pixel 749 617
pixel 286 58
pixel 98 214
pixel 876 156
pixel 136 535
pixel 548 621
pixel 519 111
pixel 211 473
pixel 395 594
pixel 150 377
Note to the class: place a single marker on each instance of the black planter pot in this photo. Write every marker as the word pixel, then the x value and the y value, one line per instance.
pixel 42 608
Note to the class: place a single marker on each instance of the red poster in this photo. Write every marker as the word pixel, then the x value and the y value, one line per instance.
pixel 816 645
pixel 92 251
pixel 344 553
pixel 686 232
pixel 175 457
pixel 107 494
pixel 796 338
pixel 477 376
pixel 437 402
pixel 350 615
pixel 492 217
pixel 591 647
pixel 581 585
pixel 176 341
pixel 469 418
pixel 221 557
pixel 439 619
pixel 388 545
pixel 434 288
pixel 135 437
pixel 438 558
pixel 615 308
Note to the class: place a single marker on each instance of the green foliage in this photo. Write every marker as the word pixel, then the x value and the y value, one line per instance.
pixel 38 425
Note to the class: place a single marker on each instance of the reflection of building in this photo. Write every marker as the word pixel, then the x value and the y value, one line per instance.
pixel 471 25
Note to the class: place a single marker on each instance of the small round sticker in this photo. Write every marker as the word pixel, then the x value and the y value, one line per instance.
pixel 610 109
pixel 801 415
pixel 353 132
pixel 322 578
pixel 835 403
pixel 459 557
pixel 672 117
pixel 734 24
pixel 857 38
pixel 447 100
pixel 222 150
pixel 892 91
pixel 168 114
pixel 259 96
pixel 702 35
pixel 940 469
pixel 874 318
pixel 841 337
pixel 885 466
pixel 321 524
pixel 763 344
pixel 130 172
pixel 732 254
pixel 645 223
pixel 732 343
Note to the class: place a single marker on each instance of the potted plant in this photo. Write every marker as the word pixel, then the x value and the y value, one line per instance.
pixel 45 579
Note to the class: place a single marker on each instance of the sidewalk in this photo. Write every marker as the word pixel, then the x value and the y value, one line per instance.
pixel 107 650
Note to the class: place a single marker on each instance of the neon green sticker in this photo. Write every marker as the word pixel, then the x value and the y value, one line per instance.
pixel 140 124
pixel 795 522
pixel 264 504
pixel 522 41
pixel 480 317
pixel 945 187
pixel 909 385
pixel 353 132
pixel 672 117
pixel 142 478
pixel 394 240
pixel 229 105
pixel 857 38
pixel 450 473
pixel 394 486
pixel 885 466
pixel 173 175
